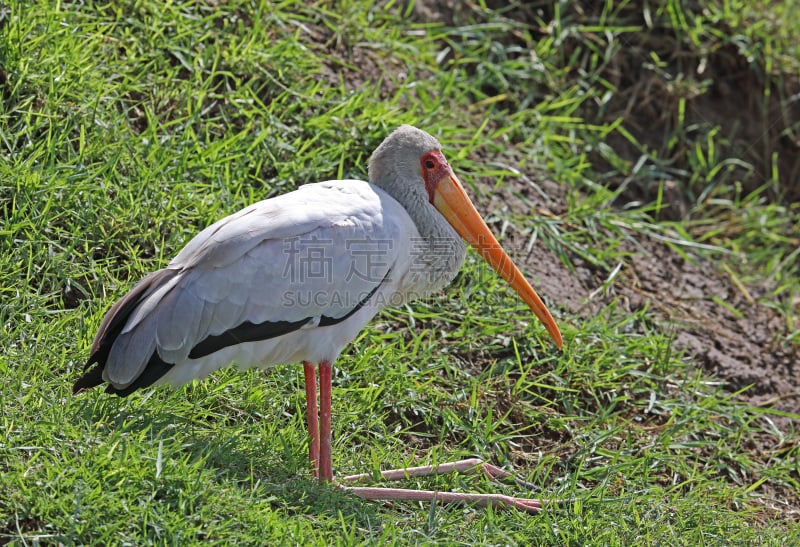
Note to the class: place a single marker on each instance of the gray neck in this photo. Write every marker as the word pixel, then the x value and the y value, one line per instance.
pixel 439 254
pixel 395 167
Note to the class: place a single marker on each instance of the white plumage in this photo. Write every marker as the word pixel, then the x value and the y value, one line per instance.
pixel 291 258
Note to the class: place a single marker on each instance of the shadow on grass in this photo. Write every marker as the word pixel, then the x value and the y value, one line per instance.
pixel 269 469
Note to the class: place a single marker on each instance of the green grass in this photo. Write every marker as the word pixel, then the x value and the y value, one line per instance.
pixel 126 128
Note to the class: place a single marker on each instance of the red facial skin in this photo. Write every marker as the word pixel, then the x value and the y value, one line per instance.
pixel 434 168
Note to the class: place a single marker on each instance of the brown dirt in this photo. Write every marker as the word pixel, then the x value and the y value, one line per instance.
pixel 689 299
pixel 744 350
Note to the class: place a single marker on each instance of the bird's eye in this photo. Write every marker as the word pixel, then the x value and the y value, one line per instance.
pixel 429 164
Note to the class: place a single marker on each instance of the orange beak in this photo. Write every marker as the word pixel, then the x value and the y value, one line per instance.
pixel 451 200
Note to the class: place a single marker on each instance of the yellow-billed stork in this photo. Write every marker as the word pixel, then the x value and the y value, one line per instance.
pixel 296 277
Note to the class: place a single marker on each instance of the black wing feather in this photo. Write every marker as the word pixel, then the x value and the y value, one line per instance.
pixel 113 323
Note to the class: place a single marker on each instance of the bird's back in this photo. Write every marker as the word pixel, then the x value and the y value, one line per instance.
pixel 284 279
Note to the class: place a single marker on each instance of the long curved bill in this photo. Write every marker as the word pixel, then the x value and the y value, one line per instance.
pixel 453 202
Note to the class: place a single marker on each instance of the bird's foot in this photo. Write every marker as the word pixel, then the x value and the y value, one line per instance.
pixel 484 500
pixel 472 465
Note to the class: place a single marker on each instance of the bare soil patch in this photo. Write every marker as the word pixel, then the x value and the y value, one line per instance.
pixel 715 320
pixel 724 327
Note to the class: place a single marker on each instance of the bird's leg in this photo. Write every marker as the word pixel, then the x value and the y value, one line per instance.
pixel 472 465
pixel 325 457
pixel 310 373
pixel 319 428
pixel 495 500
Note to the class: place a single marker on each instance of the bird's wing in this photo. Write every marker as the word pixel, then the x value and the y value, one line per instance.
pixel 304 259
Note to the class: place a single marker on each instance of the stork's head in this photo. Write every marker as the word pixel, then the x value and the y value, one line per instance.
pixel 413 159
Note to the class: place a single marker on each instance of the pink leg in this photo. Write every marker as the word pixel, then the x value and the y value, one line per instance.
pixel 310 373
pixel 472 465
pixel 325 457
pixel 319 430
pixel 484 500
